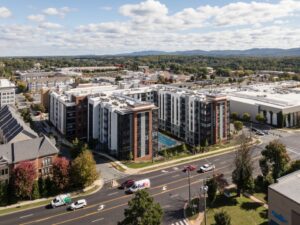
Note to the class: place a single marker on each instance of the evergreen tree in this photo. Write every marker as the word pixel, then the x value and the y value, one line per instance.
pixel 212 190
pixel 35 191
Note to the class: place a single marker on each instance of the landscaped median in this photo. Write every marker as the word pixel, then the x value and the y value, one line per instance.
pixel 143 167
pixel 25 205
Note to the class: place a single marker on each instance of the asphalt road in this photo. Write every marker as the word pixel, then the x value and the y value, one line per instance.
pixel 172 199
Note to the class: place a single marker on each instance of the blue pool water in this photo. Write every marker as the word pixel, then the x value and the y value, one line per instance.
pixel 166 141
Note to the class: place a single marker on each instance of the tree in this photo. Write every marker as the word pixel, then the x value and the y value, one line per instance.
pixel 234 116
pixel 275 159
pixel 42 187
pixel 23 177
pixel 142 211
pixel 238 125
pixel 242 174
pixel 260 118
pixel 294 166
pixel 35 191
pixel 22 86
pixel 246 117
pixel 222 218
pixel 77 148
pixel 83 170
pixel 118 78
pixel 49 187
pixel 60 173
pixel 38 107
pixel 3 194
pixel 212 190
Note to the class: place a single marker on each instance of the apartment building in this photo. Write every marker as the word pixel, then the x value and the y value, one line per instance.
pixel 35 85
pixel 7 92
pixel 68 110
pixel 123 126
pixel 192 116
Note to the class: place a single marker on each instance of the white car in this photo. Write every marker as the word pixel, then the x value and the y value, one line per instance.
pixel 78 204
pixel 206 167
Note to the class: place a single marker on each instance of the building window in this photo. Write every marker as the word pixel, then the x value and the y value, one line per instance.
pixel 47 161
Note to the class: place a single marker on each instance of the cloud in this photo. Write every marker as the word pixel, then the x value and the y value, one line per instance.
pixel 57 11
pixel 48 25
pixel 106 8
pixel 5 12
pixel 36 18
pixel 144 9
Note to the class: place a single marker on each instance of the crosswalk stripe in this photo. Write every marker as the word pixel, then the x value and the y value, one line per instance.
pixel 181 223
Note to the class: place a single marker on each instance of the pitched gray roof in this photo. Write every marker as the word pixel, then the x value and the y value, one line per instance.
pixel 27 150
pixel 11 125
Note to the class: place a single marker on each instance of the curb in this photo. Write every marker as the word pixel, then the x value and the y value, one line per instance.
pixel 25 203
pixel 192 222
pixel 157 167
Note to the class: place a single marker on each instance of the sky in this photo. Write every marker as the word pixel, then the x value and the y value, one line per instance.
pixel 80 27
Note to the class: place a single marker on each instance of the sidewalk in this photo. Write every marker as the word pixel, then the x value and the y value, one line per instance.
pixel 174 162
pixel 98 184
pixel 256 200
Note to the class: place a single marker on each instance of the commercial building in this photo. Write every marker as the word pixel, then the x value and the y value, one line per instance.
pixel 279 103
pixel 284 200
pixel 123 126
pixel 7 92
pixel 38 150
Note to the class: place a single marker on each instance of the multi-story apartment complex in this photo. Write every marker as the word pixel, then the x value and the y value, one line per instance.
pixel 7 92
pixel 123 126
pixel 192 116
pixel 68 110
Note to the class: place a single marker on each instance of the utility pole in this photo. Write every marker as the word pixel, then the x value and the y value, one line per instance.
pixel 204 189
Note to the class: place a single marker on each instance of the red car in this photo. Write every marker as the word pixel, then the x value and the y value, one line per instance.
pixel 189 168
pixel 127 184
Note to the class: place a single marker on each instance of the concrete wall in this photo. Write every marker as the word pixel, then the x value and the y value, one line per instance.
pixel 240 108
pixel 282 210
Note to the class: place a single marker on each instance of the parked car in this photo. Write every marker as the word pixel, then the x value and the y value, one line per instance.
pixel 127 184
pixel 78 204
pixel 60 200
pixel 139 185
pixel 206 167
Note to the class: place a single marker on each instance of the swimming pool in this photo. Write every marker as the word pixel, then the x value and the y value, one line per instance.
pixel 165 140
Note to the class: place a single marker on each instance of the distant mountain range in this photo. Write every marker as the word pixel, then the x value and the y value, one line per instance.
pixel 263 52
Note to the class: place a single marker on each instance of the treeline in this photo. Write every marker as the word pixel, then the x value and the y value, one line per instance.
pixel 178 64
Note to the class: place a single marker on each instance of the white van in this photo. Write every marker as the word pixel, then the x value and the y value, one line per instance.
pixel 61 200
pixel 139 185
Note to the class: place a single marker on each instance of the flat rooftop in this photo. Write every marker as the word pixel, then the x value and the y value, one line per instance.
pixel 289 186
pixel 278 95
pixel 4 83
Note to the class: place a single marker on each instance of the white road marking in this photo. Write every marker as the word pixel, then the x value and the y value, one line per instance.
pixel 166 206
pixel 174 196
pixel 175 168
pixel 164 171
pixel 177 175
pixel 26 216
pixel 97 220
pixel 114 193
pixel 186 222
pixel 100 207
pixel 181 223
pixel 291 150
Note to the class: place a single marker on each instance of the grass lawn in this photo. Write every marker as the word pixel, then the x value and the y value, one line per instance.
pixel 261 196
pixel 243 211
pixel 192 213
